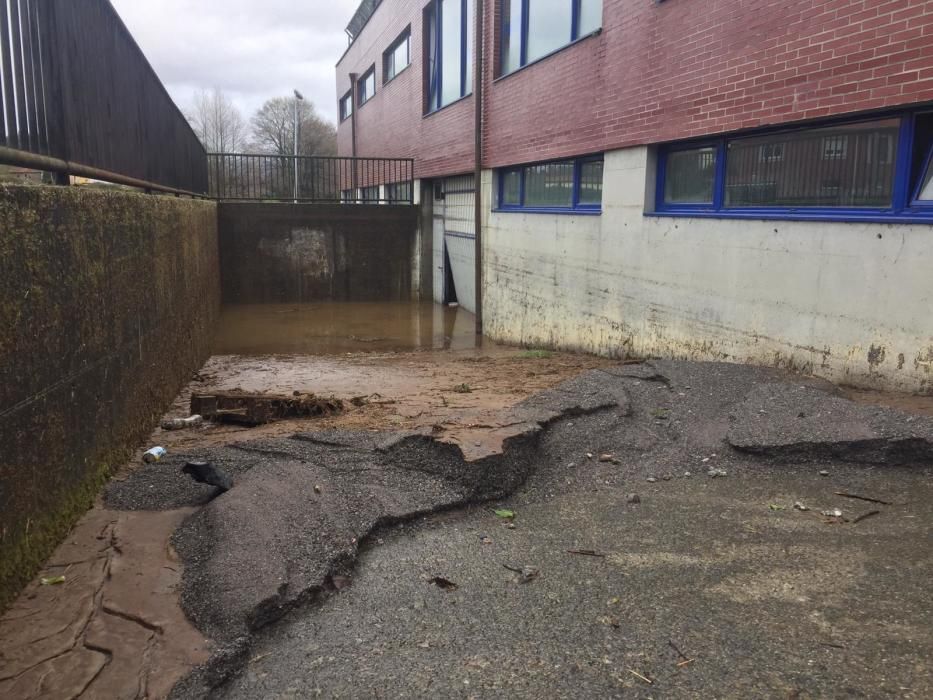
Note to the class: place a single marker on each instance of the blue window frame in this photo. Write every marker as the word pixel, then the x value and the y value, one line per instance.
pixel 397 57
pixel 865 169
pixel 924 195
pixel 574 185
pixel 534 29
pixel 449 65
pixel 367 86
pixel 346 106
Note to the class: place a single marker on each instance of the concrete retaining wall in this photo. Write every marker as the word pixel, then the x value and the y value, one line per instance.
pixel 316 252
pixel 846 301
pixel 107 306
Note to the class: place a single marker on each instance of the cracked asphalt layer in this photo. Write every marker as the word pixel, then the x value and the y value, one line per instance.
pixel 709 586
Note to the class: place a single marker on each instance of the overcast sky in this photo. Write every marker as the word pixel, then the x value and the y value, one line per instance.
pixel 250 49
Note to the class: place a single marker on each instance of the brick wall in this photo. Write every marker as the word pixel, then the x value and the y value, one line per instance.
pixel 656 72
pixel 392 123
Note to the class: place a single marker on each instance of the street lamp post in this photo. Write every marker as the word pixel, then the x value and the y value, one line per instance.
pixel 298 98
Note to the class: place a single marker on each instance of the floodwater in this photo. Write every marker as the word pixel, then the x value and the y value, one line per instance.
pixel 337 328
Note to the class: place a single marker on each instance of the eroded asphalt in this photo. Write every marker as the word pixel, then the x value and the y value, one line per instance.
pixel 318 573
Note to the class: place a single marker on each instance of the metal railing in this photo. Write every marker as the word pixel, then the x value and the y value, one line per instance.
pixel 80 98
pixel 272 178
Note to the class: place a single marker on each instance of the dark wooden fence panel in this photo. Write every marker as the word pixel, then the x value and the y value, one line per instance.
pixel 77 88
pixel 24 123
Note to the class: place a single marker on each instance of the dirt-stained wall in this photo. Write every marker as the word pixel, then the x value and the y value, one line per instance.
pixel 842 300
pixel 107 305
pixel 318 252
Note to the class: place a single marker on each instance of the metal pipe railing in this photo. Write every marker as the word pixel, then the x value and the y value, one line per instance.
pixel 280 178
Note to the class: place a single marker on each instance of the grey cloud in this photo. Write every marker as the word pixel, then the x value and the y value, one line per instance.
pixel 253 50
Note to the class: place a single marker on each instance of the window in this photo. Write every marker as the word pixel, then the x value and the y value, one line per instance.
pixel 771 152
pixel 346 106
pixel 881 149
pixel 691 176
pixel 347 196
pixel 926 187
pixel 564 185
pixel 370 194
pixel 590 190
pixel 848 169
pixel 816 170
pixel 450 51
pixel 532 29
pixel 367 85
pixel 399 192
pixel 835 147
pixel 397 57
pixel 549 185
pixel 511 195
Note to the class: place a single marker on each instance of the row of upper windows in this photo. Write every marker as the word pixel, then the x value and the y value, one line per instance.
pixel 533 29
pixel 391 193
pixel 395 59
pixel 530 30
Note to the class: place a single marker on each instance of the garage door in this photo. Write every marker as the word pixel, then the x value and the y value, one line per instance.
pixel 455 241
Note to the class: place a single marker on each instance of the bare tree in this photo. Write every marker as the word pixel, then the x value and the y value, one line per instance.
pixel 218 123
pixel 274 129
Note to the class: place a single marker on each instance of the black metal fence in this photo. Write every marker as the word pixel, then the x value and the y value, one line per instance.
pixel 79 97
pixel 272 178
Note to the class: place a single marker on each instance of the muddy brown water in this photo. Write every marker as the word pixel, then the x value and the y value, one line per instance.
pixel 337 328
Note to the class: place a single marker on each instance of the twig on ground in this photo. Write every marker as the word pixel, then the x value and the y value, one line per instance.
pixel 673 646
pixel 863 498
pixel 489 426
pixel 586 553
pixel 866 516
pixel 638 675
pixel 685 662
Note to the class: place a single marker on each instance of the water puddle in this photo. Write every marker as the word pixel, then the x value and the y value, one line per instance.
pixel 336 328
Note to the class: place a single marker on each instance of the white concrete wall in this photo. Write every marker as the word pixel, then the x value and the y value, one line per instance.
pixel 850 302
pixel 437 247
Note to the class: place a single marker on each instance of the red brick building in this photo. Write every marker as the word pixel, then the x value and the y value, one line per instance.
pixel 607 123
pixel 654 72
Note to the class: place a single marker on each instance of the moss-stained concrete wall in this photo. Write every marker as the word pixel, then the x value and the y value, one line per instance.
pixel 107 305
pixel 280 252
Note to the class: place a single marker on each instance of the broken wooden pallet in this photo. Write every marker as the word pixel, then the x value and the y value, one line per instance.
pixel 256 409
